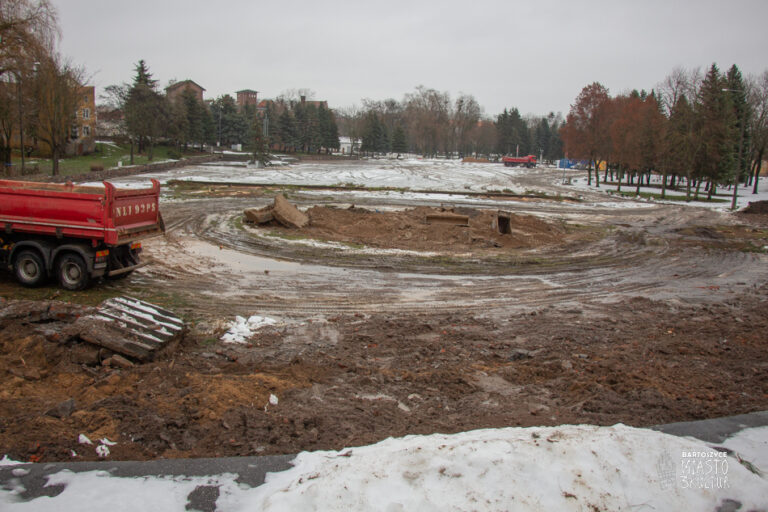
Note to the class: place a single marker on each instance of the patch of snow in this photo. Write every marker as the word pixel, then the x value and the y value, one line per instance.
pixel 242 329
pixel 565 468
pixel 6 461
pixel 744 195
pixel 273 399
pixel 752 445
pixel 553 468
pixel 107 442
pixel 107 143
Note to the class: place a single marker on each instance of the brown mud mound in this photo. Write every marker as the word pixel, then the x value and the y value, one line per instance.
pixel 409 229
pixel 755 213
pixel 358 379
pixel 757 207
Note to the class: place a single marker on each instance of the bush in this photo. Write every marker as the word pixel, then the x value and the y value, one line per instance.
pixel 174 154
pixel 96 168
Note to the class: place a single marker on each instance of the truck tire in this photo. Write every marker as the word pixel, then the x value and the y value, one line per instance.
pixel 29 269
pixel 72 272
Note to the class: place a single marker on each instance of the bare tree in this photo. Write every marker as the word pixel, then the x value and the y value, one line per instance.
pixel 466 114
pixel 28 32
pixel 428 112
pixel 26 28
pixel 350 121
pixel 57 90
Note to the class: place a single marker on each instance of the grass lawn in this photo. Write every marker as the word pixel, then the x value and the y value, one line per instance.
pixel 107 155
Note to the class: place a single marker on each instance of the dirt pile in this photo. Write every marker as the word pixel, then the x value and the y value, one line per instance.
pixel 757 207
pixel 357 379
pixel 282 211
pixel 410 230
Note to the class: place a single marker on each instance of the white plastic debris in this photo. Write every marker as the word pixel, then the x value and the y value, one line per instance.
pixel 83 439
pixel 107 442
pixel 241 329
pixel 102 451
pixel 273 399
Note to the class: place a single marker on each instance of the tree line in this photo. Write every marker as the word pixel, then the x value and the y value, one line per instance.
pixel 39 90
pixel 287 123
pixel 709 129
pixel 428 122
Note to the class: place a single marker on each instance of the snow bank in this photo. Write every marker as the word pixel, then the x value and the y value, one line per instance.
pixel 524 469
pixel 555 468
pixel 752 443
pixel 241 329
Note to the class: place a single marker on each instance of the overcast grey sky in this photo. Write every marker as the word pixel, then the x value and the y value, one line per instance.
pixel 533 55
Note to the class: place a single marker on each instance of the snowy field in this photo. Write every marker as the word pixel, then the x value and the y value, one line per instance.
pixel 565 468
pixel 745 194
pixel 413 174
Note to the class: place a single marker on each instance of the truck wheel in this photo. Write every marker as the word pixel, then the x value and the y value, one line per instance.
pixel 29 269
pixel 73 272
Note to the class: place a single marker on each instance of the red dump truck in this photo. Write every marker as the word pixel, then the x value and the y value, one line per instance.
pixel 514 161
pixel 74 233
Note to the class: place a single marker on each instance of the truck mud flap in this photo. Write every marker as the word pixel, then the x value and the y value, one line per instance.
pixel 131 327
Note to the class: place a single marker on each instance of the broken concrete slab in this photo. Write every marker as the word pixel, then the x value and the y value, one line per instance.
pixel 129 326
pixel 259 215
pixel 287 214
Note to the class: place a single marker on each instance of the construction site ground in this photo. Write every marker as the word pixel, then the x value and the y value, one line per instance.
pixel 593 310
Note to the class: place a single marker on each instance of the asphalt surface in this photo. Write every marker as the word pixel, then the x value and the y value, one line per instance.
pixel 252 471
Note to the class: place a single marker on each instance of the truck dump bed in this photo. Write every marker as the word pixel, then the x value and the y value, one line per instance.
pixel 99 213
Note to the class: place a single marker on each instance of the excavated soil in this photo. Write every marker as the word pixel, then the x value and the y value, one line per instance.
pixel 376 344
pixel 409 229
pixel 356 379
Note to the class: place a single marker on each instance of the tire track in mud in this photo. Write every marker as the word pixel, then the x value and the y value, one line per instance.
pixel 325 282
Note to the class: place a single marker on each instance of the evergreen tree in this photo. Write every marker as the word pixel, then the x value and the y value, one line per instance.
pixel 329 132
pixel 143 76
pixel 715 116
pixel 737 92
pixel 513 133
pixel 193 111
pixel 260 143
pixel 680 142
pixel 287 131
pixel 231 124
pixel 145 111
pixel 399 142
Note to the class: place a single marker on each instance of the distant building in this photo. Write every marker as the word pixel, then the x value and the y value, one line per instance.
pixel 247 97
pixel 317 104
pixel 348 145
pixel 83 135
pixel 175 90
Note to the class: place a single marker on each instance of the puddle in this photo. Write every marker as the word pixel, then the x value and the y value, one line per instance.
pixel 240 262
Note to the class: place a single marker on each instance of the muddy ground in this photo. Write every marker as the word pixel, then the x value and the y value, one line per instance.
pixel 356 379
pixel 634 315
